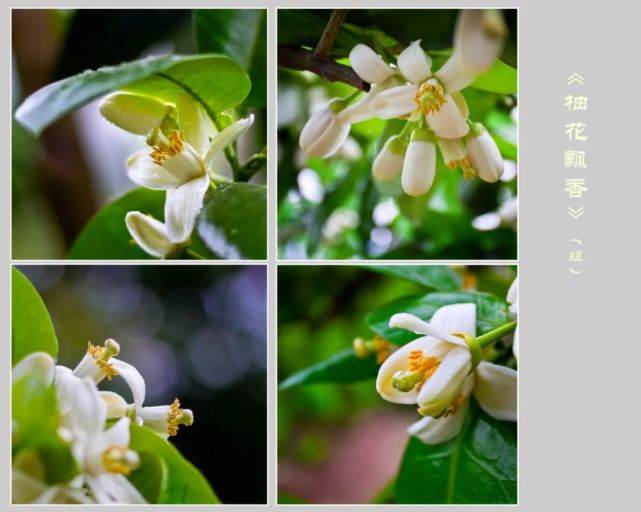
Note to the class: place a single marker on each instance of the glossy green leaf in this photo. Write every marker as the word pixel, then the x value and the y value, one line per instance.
pixel 35 437
pixel 233 223
pixel 31 327
pixel 438 277
pixel 500 78
pixel 479 466
pixel 182 482
pixel 242 35
pixel 504 131
pixel 217 81
pixel 150 478
pixel 343 367
pixel 105 236
pixel 491 312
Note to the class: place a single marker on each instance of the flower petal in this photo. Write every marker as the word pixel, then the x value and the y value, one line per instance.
pixel 142 170
pixel 496 390
pixel 112 488
pixel 439 430
pixel 413 323
pixel 182 206
pixel 195 125
pixel 389 161
pixel 133 379
pixel 455 318
pixel 445 384
pixel 394 102
pixel 452 77
pixel 486 157
pixel 134 113
pixel 150 234
pixel 476 41
pixel 117 434
pixel 368 65
pixel 448 122
pixel 116 405
pixel 419 167
pixel 38 364
pixel 227 137
pixel 414 63
pixel 398 361
pixel 323 133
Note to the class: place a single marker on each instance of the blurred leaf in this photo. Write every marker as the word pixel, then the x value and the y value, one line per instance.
pixel 242 35
pixel 216 81
pixel 105 236
pixel 500 78
pixel 233 223
pixel 438 277
pixel 31 327
pixel 34 414
pixel 478 466
pixel 343 367
pixel 504 131
pixel 435 27
pixel 150 478
pixel 182 482
pixel 491 312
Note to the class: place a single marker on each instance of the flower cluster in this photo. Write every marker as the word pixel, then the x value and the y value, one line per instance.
pixel 439 371
pixel 96 425
pixel 182 145
pixel 436 112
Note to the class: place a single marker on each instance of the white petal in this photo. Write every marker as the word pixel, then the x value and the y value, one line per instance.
pixel 496 390
pixel 388 163
pixel 515 344
pixel 419 167
pixel 368 65
pixel 116 405
pixel 195 125
pixel 142 170
pixel 182 206
pixel 446 383
pixel 398 361
pixel 133 112
pixel 439 430
pixel 513 292
pixel 186 165
pixel 486 157
pixel 452 77
pixel 448 122
pixel 413 323
pixel 323 133
pixel 38 364
pixel 394 102
pixel 476 44
pixel 414 63
pixel 361 110
pixel 456 318
pixel 227 137
pixel 113 488
pixel 150 234
pixel 133 379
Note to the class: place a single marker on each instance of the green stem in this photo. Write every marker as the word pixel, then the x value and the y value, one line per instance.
pixel 253 165
pixel 194 255
pixel 495 334
pixel 407 129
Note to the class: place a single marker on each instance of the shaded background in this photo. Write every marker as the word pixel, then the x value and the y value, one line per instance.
pixel 331 208
pixel 197 333
pixel 77 165
pixel 342 443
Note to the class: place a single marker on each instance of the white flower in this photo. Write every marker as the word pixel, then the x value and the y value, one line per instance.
pixel 435 372
pixel 180 162
pixel 430 371
pixel 151 235
pixel 368 65
pixel 414 63
pixel 389 161
pixel 324 133
pixel 165 420
pixel 506 215
pixel 419 166
pixel 484 153
pixel 362 109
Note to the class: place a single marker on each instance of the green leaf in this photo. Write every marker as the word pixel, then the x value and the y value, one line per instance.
pixel 150 478
pixel 233 223
pixel 217 81
pixel 343 367
pixel 105 236
pixel 181 482
pixel 500 78
pixel 491 312
pixel 31 327
pixel 241 34
pixel 35 418
pixel 477 467
pixel 504 131
pixel 438 277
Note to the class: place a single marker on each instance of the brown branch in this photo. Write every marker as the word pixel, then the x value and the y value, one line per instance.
pixel 326 42
pixel 327 69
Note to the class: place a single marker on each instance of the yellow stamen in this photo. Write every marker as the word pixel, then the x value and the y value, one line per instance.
pixel 172 417
pixel 101 358
pixel 430 97
pixel 117 459
pixel 161 152
pixel 379 346
pixel 454 406
pixel 417 362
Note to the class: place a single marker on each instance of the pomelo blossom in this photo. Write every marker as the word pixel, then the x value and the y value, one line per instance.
pixel 182 149
pixel 437 372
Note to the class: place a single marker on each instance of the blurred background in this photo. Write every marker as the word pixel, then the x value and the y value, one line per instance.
pixel 77 165
pixel 194 332
pixel 332 209
pixel 342 443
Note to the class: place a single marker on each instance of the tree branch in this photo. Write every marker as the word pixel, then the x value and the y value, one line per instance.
pixel 326 42
pixel 327 69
